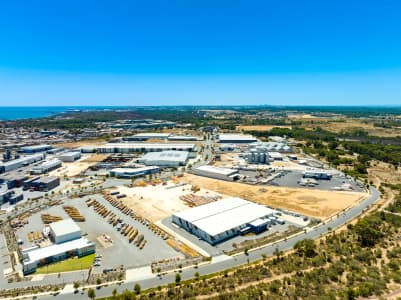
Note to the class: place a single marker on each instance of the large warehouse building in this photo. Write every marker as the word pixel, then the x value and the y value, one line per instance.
pixel 237 138
pixel 64 230
pixel 140 147
pixel 70 156
pixel 217 172
pixel 165 158
pixel 218 221
pixel 36 148
pixel 68 242
pixel 133 172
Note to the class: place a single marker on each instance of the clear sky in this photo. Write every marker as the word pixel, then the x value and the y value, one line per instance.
pixel 85 52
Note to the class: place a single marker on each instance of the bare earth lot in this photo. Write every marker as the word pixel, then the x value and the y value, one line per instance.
pixel 157 202
pixel 313 203
pixel 71 169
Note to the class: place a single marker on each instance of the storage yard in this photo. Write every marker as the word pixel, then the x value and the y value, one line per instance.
pixel 136 240
pixel 314 203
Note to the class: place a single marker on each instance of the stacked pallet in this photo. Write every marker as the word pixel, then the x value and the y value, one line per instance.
pixel 74 213
pixel 48 218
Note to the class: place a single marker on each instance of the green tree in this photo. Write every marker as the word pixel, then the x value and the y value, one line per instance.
pixel 91 293
pixel 177 278
pixel 305 248
pixel 137 289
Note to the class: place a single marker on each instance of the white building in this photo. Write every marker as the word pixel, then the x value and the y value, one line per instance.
pixel 20 162
pixel 165 158
pixel 46 166
pixel 220 220
pixel 217 172
pixel 133 172
pixel 35 256
pixel 70 156
pixel 141 147
pixel 147 136
pixel 64 230
pixel 236 138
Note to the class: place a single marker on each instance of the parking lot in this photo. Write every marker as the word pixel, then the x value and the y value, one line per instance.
pixel 121 252
pixel 293 179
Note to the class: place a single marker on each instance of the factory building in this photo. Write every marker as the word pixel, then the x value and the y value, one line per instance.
pixel 55 150
pixel 46 167
pixel 133 172
pixel 64 230
pixel 144 124
pixel 271 147
pixel 147 136
pixel 265 152
pixel 185 138
pixel 217 173
pixel 41 184
pixel 140 147
pixel 218 221
pixel 20 162
pixel 70 156
pixel 13 180
pixel 35 149
pixel 68 242
pixel 236 138
pixel 165 158
pixel 316 174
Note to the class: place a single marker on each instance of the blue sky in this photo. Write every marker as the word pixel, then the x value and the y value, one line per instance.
pixel 200 52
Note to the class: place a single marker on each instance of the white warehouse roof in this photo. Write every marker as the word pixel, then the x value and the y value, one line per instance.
pixel 165 157
pixel 56 249
pixel 156 135
pixel 217 170
pixel 223 215
pixel 237 137
pixel 64 227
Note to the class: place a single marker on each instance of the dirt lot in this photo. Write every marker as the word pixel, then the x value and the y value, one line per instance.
pixel 259 127
pixel 84 143
pixel 158 202
pixel 71 169
pixel 350 124
pixel 313 203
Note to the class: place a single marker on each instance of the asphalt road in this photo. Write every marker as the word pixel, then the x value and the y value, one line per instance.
pixel 221 263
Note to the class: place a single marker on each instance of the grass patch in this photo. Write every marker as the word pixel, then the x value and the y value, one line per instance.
pixel 72 264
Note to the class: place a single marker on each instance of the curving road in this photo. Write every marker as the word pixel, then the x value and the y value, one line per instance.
pixel 225 262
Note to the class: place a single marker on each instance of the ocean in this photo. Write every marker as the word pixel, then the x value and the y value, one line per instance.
pixel 30 112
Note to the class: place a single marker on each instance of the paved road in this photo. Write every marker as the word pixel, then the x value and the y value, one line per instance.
pixel 223 262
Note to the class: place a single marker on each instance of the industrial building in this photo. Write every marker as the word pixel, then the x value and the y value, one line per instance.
pixel 236 138
pixel 186 138
pixel 144 124
pixel 165 158
pixel 55 150
pixel 13 180
pixel 147 136
pixel 35 149
pixel 218 221
pixel 133 172
pixel 41 184
pixel 64 230
pixel 217 173
pixel 20 162
pixel 68 242
pixel 70 156
pixel 140 147
pixel 317 174
pixel 271 146
pixel 46 167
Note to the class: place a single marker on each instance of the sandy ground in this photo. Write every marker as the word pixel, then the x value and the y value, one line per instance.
pixel 158 202
pixel 350 124
pixel 259 127
pixel 83 143
pixel 313 203
pixel 382 172
pixel 71 169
